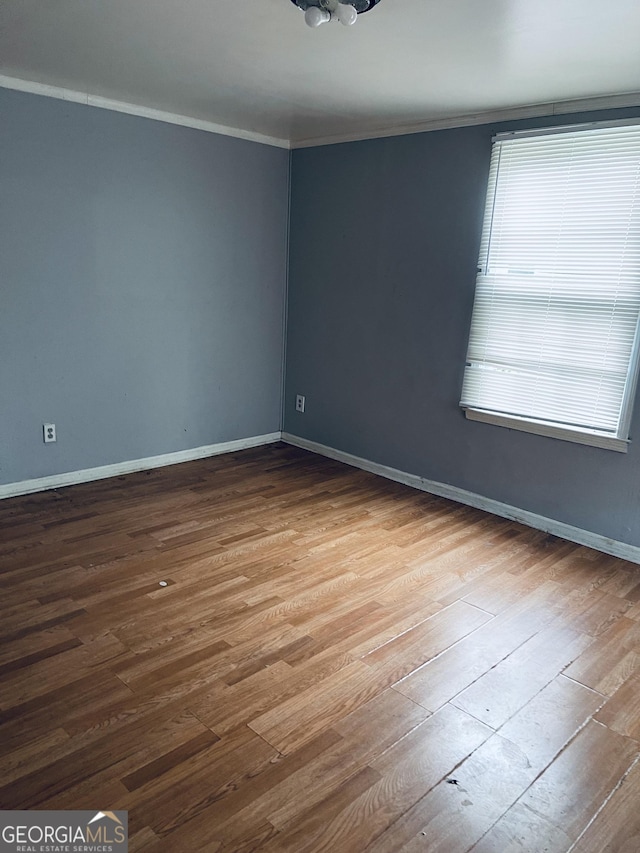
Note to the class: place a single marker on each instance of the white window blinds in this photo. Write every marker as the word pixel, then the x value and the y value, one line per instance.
pixel 555 318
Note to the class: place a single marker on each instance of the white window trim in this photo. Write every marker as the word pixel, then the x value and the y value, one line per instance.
pixel 575 435
pixel 564 128
pixel 578 435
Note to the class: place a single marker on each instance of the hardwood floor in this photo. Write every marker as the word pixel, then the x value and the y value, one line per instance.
pixel 336 663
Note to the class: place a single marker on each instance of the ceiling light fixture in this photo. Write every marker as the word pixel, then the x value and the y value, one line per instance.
pixel 317 12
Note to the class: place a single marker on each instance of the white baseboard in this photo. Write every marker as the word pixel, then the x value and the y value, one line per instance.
pixel 87 475
pixel 531 519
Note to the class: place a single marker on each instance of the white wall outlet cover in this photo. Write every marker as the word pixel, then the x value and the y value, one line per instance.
pixel 49 433
pixel 300 401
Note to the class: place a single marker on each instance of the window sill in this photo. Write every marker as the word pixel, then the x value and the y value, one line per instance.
pixel 572 434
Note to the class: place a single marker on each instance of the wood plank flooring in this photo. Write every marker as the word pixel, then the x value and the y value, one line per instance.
pixel 270 651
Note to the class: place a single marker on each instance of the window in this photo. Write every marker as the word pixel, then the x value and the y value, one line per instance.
pixel 553 347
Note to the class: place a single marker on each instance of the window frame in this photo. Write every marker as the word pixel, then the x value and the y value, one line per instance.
pixel 581 435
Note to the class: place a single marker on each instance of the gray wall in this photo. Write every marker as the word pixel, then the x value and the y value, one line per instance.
pixel 142 279
pixel 384 245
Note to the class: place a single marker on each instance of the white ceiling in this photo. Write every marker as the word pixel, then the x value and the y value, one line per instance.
pixel 254 66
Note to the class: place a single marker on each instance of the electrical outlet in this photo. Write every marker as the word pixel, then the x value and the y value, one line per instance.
pixel 49 431
pixel 300 401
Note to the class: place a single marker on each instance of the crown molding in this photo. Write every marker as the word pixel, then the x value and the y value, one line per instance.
pixel 552 108
pixel 86 98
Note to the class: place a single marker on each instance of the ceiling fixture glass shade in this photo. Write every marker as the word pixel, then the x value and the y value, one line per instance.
pixel 317 12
